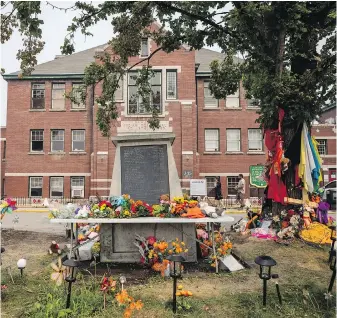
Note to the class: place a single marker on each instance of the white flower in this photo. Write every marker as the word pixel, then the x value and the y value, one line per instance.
pixel 276 218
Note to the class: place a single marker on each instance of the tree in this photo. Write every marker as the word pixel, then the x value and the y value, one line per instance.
pixel 278 42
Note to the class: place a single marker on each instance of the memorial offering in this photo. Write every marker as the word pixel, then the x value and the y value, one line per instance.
pixel 7 206
pixel 126 207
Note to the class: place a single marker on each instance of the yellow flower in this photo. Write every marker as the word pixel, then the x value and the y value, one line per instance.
pixel 186 250
pixel 180 287
pixel 170 251
pixel 182 243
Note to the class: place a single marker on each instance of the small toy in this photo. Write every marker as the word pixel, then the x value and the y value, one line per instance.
pixel 54 248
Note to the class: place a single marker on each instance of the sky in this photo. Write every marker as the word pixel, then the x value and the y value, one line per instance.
pixel 53 33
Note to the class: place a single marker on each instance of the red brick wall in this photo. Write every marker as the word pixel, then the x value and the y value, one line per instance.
pixel 3 147
pixel 21 119
pixel 223 118
pixel 327 132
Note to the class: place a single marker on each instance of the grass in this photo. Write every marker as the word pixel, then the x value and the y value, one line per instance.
pixel 303 270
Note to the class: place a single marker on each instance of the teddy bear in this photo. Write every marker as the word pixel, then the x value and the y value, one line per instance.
pixel 54 248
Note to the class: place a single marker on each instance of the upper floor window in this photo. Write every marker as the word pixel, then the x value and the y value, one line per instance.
pixel 58 96
pixel 233 140
pixel 233 101
pixel 321 147
pixel 212 140
pixel 144 51
pixel 209 100
pixel 35 187
pixel 253 103
pixel 38 96
pixel 135 104
pixel 78 140
pixel 36 140
pixel 57 140
pixel 171 84
pixel 254 140
pixel 76 93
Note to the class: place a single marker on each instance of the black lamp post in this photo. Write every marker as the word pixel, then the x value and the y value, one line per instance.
pixel 333 268
pixel 175 273
pixel 71 278
pixel 266 263
pixel 333 239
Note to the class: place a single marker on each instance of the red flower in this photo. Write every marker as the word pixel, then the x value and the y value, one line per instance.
pixel 291 212
pixel 142 260
pixel 133 208
pixel 151 240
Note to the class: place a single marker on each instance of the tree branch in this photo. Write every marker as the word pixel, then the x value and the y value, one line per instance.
pixel 145 59
pixel 9 15
pixel 62 9
pixel 192 15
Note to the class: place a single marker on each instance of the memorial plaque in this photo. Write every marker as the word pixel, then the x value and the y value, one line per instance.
pixel 144 172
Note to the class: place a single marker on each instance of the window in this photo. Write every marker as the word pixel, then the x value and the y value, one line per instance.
pixel 35 187
pixel 253 103
pixel 209 100
pixel 254 140
pixel 321 147
pixel 135 104
pixel 76 93
pixel 233 140
pixel 58 96
pixel 144 47
pixel 78 140
pixel 57 140
pixel 36 140
pixel 212 140
pixel 233 101
pixel 119 90
pixel 232 182
pixel 38 94
pixel 171 84
pixel 56 187
pixel 211 183
pixel 77 187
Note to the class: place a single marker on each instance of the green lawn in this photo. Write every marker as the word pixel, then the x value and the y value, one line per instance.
pixel 304 277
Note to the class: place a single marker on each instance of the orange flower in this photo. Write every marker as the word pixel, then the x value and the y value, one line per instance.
pixel 170 251
pixel 127 312
pixel 123 297
pixel 138 305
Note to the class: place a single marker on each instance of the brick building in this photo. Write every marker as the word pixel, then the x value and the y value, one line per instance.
pixel 54 147
pixel 324 130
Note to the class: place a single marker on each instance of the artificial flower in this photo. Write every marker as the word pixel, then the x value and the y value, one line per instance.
pixel 59 272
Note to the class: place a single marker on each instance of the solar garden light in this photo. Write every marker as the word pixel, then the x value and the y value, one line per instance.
pixel 22 263
pixel 175 273
pixel 333 268
pixel 333 239
pixel 122 280
pixel 71 278
pixel 266 263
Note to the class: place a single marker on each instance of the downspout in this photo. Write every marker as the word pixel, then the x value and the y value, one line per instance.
pixel 196 102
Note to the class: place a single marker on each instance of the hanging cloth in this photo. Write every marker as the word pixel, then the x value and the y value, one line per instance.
pixel 318 157
pixel 316 171
pixel 307 163
pixel 277 190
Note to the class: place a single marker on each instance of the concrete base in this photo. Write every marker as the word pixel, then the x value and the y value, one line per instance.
pixel 117 240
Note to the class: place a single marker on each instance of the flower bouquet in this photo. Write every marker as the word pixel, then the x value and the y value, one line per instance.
pixel 103 209
pixel 223 247
pixel 7 206
pixel 59 211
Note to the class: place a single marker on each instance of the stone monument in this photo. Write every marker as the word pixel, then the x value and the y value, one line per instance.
pixel 144 168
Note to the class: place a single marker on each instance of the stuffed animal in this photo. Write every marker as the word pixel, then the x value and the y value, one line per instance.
pixel 54 248
pixel 306 218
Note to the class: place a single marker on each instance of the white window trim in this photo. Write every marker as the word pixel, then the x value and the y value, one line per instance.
pixel 52 99
pixel 30 187
pixel 254 150
pixel 51 140
pixel 31 141
pixel 76 187
pixel 176 84
pixel 217 101
pixel 72 140
pixel 218 133
pixel 80 105
pixel 50 185
pixel 240 146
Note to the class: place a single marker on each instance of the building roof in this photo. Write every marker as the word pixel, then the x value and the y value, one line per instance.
pixel 204 57
pixel 75 63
